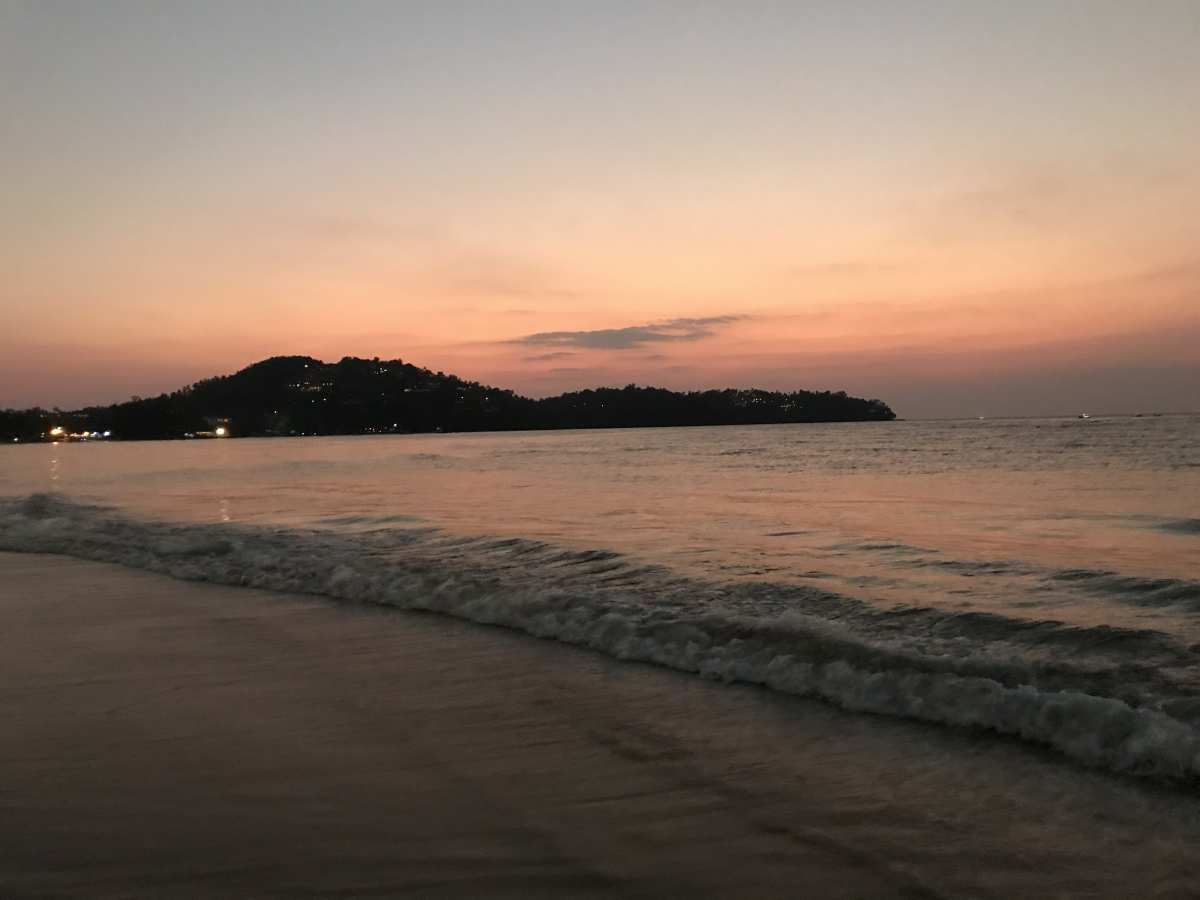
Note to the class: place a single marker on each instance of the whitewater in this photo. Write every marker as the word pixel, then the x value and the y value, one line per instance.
pixel 1034 579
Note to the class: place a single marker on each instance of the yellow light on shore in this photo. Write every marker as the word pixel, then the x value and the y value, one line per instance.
pixel 56 431
pixel 222 431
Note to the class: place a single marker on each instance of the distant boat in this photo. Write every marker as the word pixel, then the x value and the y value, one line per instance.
pixel 1084 416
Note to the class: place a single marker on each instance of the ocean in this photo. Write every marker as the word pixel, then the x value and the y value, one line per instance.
pixel 1027 579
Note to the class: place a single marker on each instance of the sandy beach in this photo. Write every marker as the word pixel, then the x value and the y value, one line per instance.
pixel 174 739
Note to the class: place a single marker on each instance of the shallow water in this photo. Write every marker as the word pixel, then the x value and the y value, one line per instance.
pixel 1038 578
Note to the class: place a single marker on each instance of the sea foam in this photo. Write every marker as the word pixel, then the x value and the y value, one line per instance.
pixel 1114 698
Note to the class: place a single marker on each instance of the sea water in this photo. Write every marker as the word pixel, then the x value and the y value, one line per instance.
pixel 1031 578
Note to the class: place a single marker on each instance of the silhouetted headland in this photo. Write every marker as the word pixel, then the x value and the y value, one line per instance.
pixel 298 395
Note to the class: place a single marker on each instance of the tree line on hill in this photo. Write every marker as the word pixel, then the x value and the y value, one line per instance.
pixel 295 395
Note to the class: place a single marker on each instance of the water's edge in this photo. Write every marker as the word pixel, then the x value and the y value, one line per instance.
pixel 1110 704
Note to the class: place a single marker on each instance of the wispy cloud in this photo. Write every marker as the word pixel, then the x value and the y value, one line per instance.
pixel 1184 271
pixel 630 337
pixel 1045 198
pixel 432 254
pixel 547 357
pixel 846 268
pixel 496 275
pixel 347 229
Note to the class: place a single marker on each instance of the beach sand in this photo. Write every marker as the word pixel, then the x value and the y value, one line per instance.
pixel 173 739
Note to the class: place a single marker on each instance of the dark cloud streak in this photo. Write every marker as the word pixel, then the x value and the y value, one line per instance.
pixel 633 336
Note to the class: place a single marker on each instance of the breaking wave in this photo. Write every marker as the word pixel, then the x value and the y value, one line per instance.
pixel 1121 699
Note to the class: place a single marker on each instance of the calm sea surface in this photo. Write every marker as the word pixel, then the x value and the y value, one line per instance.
pixel 1005 574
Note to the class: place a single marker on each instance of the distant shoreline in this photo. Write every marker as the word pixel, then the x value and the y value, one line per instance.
pixel 514 430
pixel 299 396
pixel 547 428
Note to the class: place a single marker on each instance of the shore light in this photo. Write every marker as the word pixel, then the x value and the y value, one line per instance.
pixel 222 431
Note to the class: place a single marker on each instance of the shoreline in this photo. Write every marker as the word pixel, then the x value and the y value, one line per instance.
pixel 174 739
pixel 399 433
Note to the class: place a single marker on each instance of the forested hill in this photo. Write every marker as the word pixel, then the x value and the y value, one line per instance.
pixel 292 395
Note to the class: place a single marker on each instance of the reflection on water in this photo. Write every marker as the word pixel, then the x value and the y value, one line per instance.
pixel 1084 521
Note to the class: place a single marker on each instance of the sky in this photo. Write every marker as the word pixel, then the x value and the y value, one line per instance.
pixel 961 208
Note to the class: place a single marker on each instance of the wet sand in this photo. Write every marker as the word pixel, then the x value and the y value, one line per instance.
pixel 173 739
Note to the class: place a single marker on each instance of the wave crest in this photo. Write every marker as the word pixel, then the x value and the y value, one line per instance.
pixel 1103 696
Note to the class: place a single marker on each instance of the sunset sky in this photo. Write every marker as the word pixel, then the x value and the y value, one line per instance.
pixel 961 208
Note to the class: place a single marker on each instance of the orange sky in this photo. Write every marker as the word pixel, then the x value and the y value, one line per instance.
pixel 960 209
